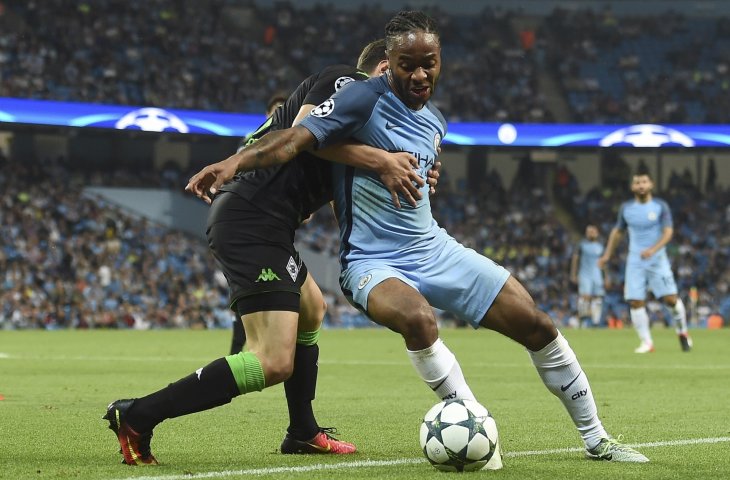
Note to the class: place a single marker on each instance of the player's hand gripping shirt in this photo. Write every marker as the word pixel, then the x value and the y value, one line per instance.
pixel 369 221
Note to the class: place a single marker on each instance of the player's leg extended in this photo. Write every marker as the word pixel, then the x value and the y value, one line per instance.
pixel 400 307
pixel 304 434
pixel 515 315
pixel 635 295
pixel 662 284
pixel 271 341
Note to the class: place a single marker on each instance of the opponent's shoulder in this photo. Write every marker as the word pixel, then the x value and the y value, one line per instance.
pixel 345 73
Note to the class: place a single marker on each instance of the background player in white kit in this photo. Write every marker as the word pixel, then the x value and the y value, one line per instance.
pixel 584 271
pixel 649 223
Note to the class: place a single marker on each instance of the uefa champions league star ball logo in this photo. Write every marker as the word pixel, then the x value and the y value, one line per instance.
pixel 646 135
pixel 324 109
pixel 152 120
pixel 342 81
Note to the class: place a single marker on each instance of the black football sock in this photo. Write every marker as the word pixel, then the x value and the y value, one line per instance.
pixel 210 386
pixel 300 388
pixel 239 337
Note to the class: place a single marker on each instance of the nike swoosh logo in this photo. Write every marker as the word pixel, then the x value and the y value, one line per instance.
pixel 390 126
pixel 321 449
pixel 565 387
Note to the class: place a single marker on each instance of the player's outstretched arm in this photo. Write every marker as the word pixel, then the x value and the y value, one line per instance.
pixel 396 169
pixel 274 148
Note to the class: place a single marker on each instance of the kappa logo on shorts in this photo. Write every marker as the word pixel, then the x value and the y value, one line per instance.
pixel 293 269
pixel 323 109
pixel 342 81
pixel 267 275
pixel 364 281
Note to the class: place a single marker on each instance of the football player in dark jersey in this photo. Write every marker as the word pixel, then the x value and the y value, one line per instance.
pixel 250 230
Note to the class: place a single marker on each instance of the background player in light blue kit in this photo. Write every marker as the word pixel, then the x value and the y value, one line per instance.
pixel 584 271
pixel 649 223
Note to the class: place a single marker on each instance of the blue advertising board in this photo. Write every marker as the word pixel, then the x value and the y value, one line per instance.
pixel 71 114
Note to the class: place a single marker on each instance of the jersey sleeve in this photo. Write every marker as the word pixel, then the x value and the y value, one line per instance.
pixel 665 219
pixel 341 115
pixel 621 221
pixel 330 81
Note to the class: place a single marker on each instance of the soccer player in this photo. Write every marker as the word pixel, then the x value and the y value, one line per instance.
pixel 277 300
pixel 584 271
pixel 397 263
pixel 649 223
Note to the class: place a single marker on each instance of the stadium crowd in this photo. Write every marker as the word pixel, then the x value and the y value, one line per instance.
pixel 72 261
pixel 661 68
pixel 68 261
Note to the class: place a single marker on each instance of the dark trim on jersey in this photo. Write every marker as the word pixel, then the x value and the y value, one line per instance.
pixel 349 180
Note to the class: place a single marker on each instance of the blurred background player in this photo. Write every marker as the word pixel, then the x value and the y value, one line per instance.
pixel 648 221
pixel 584 271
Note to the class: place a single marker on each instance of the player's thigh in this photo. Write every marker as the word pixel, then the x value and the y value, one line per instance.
pixel 312 306
pixel 271 336
pixel 635 279
pixel 660 278
pixel 461 281
pixel 515 315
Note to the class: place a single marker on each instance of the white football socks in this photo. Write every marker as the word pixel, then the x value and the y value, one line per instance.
pixel 438 367
pixel 561 373
pixel 596 310
pixel 679 315
pixel 640 319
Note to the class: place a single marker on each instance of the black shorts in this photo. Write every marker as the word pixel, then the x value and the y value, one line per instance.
pixel 257 255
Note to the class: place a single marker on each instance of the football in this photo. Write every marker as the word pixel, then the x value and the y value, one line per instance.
pixel 460 436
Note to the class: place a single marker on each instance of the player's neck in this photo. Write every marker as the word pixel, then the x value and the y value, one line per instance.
pixel 643 199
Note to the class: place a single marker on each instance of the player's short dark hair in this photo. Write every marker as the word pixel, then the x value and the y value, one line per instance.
pixel 643 172
pixel 408 21
pixel 279 97
pixel 372 55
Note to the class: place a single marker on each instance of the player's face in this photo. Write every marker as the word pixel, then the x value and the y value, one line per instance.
pixel 415 65
pixel 641 185
pixel 591 232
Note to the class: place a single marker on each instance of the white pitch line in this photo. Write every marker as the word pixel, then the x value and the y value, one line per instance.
pixel 254 472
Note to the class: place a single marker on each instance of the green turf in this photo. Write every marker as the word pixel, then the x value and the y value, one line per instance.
pixel 56 386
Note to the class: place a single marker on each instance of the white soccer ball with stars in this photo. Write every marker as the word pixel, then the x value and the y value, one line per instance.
pixel 460 436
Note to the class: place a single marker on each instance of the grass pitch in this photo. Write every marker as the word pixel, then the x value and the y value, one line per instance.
pixel 56 385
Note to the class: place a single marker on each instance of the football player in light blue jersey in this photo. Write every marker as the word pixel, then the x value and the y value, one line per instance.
pixel 398 263
pixel 649 223
pixel 584 271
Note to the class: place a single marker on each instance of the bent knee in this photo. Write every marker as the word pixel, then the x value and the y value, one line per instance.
pixel 277 370
pixel 540 330
pixel 419 328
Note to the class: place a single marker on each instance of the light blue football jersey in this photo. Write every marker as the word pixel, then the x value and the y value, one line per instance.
pixel 370 224
pixel 645 223
pixel 590 252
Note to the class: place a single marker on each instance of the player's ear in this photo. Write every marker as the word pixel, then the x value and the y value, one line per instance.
pixel 381 68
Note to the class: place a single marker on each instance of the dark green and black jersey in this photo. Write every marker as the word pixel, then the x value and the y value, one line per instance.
pixel 298 188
